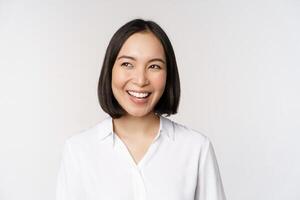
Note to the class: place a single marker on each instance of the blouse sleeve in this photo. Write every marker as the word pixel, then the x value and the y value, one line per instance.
pixel 68 180
pixel 209 185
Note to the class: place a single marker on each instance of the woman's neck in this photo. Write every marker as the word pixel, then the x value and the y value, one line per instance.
pixel 134 127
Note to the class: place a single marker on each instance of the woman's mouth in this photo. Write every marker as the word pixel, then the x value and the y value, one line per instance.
pixel 139 95
pixel 138 98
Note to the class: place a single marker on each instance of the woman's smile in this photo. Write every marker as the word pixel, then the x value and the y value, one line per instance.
pixel 138 94
pixel 139 98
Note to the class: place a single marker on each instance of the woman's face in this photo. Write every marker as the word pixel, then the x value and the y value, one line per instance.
pixel 139 74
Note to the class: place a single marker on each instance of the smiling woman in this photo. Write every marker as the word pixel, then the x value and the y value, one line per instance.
pixel 138 45
pixel 139 74
pixel 136 153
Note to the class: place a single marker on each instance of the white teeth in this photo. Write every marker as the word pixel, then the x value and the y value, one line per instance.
pixel 138 94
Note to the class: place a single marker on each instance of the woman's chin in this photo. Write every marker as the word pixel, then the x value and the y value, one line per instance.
pixel 139 113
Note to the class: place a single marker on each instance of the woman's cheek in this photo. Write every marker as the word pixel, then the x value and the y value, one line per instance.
pixel 160 80
pixel 120 78
pixel 124 77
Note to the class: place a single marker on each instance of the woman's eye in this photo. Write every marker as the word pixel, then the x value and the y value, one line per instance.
pixel 126 64
pixel 154 67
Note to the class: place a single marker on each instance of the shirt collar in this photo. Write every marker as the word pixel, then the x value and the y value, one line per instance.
pixel 105 128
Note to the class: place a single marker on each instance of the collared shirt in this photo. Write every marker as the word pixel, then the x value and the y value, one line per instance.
pixel 180 164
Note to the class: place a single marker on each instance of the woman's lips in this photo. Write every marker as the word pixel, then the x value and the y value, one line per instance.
pixel 139 100
pixel 137 94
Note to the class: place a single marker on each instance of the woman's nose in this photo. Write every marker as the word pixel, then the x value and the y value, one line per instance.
pixel 140 77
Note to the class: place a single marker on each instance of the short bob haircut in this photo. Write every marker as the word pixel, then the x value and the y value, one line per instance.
pixel 169 101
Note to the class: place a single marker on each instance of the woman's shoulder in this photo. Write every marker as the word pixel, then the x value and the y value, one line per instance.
pixel 91 133
pixel 185 133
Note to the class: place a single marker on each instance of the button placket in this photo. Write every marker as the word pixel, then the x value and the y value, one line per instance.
pixel 138 182
pixel 139 186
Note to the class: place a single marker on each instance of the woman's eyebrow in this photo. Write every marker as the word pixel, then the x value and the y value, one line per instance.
pixel 132 58
pixel 157 59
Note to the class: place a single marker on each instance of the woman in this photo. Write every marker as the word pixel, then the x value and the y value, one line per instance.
pixel 136 153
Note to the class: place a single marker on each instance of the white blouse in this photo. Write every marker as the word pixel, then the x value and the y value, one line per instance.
pixel 180 164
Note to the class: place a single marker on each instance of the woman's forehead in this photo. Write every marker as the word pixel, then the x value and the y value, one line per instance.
pixel 144 45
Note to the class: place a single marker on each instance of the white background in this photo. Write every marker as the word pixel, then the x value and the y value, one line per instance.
pixel 240 74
